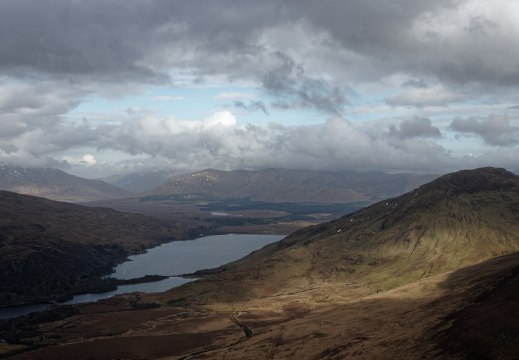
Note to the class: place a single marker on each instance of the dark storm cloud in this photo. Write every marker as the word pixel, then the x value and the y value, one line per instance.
pixel 133 39
pixel 420 83
pixel 300 54
pixel 100 38
pixel 453 41
pixel 141 40
pixel 494 130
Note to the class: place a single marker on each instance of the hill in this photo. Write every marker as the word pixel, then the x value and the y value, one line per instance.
pixel 56 185
pixel 282 185
pixel 144 181
pixel 456 220
pixel 50 248
pixel 431 274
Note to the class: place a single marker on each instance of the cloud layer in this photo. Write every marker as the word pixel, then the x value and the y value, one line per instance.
pixel 433 57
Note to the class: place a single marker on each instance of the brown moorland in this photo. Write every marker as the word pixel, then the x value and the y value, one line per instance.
pixel 444 316
pixel 430 274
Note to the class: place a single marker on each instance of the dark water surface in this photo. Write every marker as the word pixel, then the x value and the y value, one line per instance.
pixel 174 258
pixel 183 257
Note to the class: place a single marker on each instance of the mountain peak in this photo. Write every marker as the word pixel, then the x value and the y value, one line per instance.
pixel 482 179
pixel 55 184
pixel 456 220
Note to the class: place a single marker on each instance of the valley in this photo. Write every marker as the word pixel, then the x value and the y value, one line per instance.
pixel 429 274
pixel 417 320
pixel 275 201
pixel 271 180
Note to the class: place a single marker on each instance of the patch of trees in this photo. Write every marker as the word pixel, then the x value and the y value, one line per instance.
pixel 57 271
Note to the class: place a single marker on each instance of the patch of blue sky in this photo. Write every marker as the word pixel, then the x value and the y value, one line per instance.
pixel 195 103
pixel 161 101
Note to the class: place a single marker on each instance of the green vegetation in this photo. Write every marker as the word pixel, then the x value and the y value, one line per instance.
pixel 237 221
pixel 243 204
pixel 174 197
pixel 293 208
pixel 457 220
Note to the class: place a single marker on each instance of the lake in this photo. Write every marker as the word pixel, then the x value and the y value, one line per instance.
pixel 170 259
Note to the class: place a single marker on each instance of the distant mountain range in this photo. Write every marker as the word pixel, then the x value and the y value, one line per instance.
pixel 269 185
pixel 55 184
pixel 141 182
pixel 282 185
pixel 431 274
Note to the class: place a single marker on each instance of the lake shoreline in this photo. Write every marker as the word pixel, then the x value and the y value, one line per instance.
pixel 112 283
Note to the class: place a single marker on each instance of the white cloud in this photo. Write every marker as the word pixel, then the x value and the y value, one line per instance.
pixel 334 59
pixel 220 118
pixel 219 142
pixel 494 129
pixel 436 95
pixel 416 127
pixel 86 160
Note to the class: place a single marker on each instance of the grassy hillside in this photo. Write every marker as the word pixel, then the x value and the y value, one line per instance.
pixel 431 275
pixel 457 220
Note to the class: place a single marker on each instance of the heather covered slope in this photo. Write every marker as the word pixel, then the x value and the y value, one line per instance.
pixel 50 248
pixel 457 220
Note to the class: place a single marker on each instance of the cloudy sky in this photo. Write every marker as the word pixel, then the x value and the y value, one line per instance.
pixel 100 87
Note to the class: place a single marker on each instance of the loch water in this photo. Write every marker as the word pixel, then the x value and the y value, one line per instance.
pixel 170 259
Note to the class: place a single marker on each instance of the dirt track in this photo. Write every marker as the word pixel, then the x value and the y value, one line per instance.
pixel 439 317
pixel 321 324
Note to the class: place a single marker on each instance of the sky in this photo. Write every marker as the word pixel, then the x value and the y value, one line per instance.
pixel 100 87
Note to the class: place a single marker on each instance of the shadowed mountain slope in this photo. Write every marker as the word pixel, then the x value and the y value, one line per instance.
pixel 51 248
pixel 454 221
pixel 55 184
pixel 432 274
